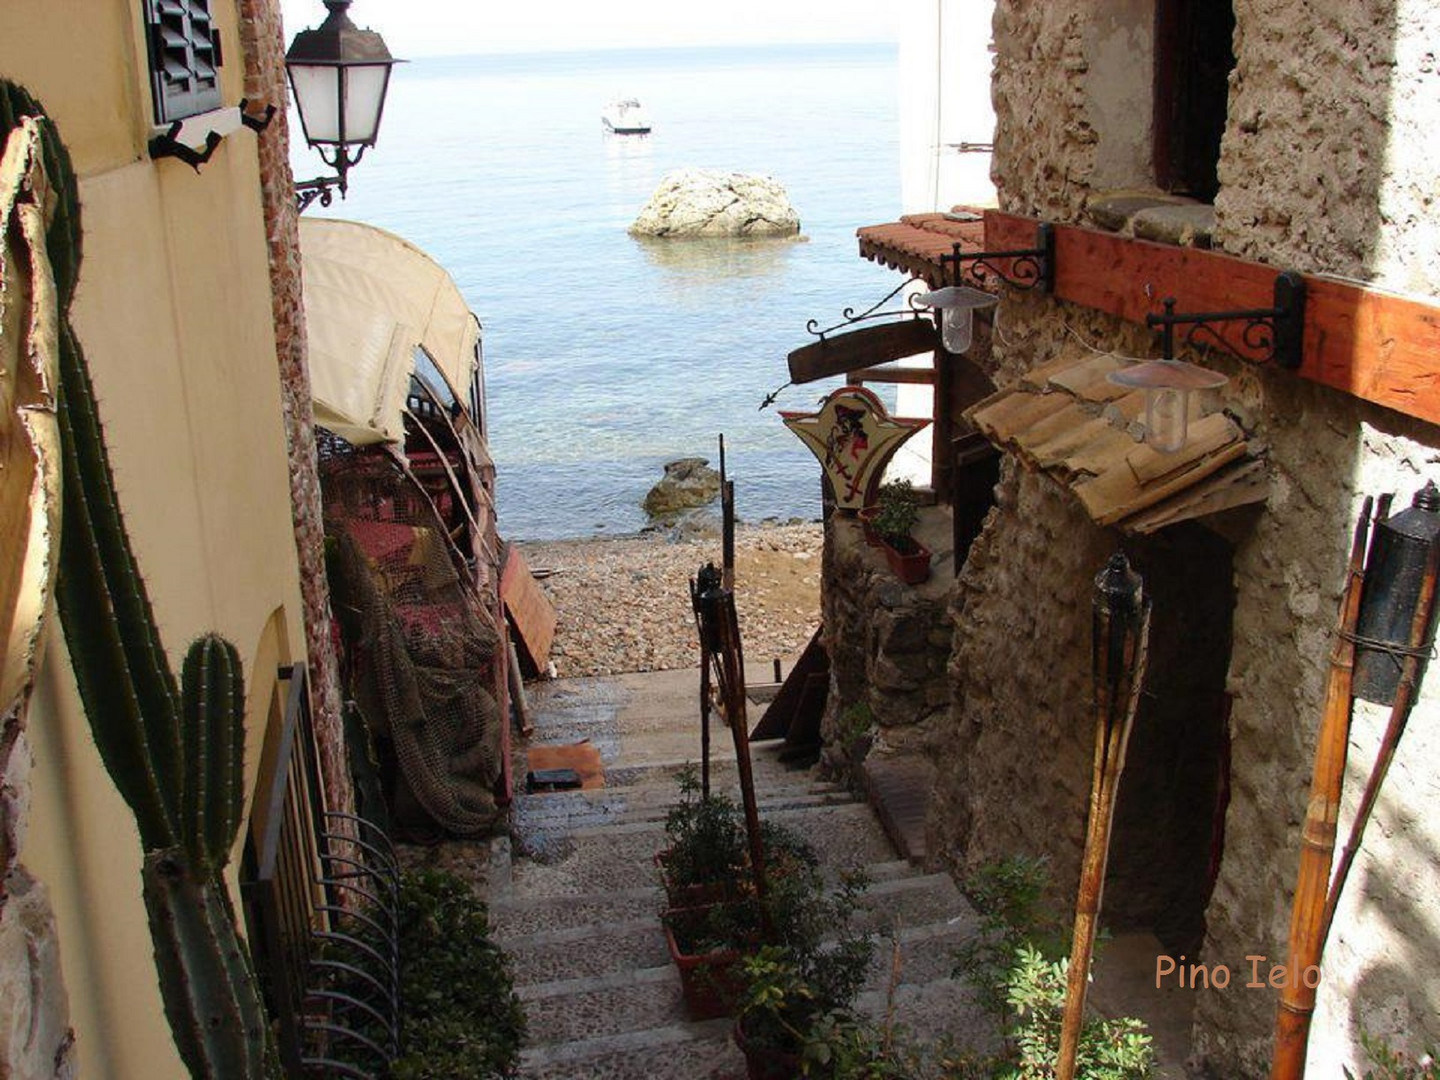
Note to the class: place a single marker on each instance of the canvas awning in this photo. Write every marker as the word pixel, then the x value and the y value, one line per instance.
pixel 916 242
pixel 370 299
pixel 1068 421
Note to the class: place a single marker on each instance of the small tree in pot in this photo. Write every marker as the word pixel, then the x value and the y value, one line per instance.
pixel 897 511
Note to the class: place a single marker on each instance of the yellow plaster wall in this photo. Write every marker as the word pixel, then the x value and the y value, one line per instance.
pixel 174 313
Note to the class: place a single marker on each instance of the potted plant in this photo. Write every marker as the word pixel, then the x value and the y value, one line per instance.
pixel 804 978
pixel 897 511
pixel 704 854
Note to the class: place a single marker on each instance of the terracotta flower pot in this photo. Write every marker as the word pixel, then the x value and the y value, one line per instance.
pixel 711 981
pixel 910 567
pixel 765 1062
pixel 866 517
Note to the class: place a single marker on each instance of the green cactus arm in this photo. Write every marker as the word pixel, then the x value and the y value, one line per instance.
pixel 120 666
pixel 212 709
pixel 205 980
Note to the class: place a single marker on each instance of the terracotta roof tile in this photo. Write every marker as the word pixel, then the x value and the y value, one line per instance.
pixel 1063 420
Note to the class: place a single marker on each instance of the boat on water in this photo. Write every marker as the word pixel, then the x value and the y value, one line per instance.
pixel 625 116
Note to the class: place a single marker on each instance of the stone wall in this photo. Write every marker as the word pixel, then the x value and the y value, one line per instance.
pixel 1309 179
pixel 888 643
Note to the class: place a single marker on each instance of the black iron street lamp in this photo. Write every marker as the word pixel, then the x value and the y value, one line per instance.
pixel 339 75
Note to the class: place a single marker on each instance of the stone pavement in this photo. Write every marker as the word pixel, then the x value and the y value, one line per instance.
pixel 577 906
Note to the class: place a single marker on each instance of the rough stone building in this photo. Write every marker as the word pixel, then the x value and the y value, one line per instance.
pixel 1292 136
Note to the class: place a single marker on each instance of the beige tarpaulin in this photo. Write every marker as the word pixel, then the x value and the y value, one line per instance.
pixel 29 440
pixel 370 299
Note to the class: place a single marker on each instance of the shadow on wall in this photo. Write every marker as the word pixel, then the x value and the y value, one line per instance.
pixel 1396 994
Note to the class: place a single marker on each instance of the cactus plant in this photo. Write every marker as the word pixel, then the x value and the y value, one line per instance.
pixel 175 751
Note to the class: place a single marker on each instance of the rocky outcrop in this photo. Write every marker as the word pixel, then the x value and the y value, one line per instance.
pixel 704 203
pixel 687 483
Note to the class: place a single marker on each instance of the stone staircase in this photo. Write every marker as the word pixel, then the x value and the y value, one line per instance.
pixel 576 904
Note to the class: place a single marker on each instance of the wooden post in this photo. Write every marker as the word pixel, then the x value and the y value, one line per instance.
pixel 1120 643
pixel 1317 838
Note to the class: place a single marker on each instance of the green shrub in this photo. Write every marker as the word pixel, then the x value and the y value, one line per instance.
pixel 1018 966
pixel 461 1019
pixel 898 512
pixel 1390 1064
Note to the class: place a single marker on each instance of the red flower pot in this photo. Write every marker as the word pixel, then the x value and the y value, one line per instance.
pixel 911 567
pixel 711 981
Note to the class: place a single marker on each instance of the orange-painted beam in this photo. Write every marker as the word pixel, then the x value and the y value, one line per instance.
pixel 1376 346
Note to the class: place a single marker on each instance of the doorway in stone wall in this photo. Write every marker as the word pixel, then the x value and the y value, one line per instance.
pixel 1169 823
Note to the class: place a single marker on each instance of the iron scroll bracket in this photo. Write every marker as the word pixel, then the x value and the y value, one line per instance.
pixel 1270 335
pixel 256 124
pixel 848 316
pixel 1030 268
pixel 169 145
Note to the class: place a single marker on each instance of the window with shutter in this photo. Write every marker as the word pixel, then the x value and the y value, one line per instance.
pixel 184 58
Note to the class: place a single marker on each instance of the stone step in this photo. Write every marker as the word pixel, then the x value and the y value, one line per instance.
pixel 559 862
pixel 579 1009
pixel 606 806
pixel 587 951
pixel 514 917
pixel 677 1051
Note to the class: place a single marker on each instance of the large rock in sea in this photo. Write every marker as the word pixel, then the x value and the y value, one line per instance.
pixel 706 203
pixel 687 483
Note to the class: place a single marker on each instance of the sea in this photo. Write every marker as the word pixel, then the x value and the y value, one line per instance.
pixel 607 356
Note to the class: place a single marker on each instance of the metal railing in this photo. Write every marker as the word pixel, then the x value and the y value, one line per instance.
pixel 320 891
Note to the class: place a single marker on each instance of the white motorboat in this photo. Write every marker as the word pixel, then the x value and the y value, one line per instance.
pixel 625 117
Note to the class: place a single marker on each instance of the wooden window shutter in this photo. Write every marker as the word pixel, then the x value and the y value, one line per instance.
pixel 184 58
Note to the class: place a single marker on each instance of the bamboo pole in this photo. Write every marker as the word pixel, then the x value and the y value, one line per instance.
pixel 1405 693
pixel 1120 648
pixel 1317 840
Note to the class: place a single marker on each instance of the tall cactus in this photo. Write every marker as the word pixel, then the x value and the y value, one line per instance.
pixel 175 752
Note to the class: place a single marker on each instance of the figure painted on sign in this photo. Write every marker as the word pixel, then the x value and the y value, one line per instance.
pixel 853 437
pixel 846 446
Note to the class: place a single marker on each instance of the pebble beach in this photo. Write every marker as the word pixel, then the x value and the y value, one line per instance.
pixel 623 603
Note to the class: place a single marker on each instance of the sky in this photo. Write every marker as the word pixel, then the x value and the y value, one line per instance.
pixel 417 28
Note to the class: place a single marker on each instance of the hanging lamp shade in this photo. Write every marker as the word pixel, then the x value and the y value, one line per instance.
pixel 955 307
pixel 1168 385
pixel 339 74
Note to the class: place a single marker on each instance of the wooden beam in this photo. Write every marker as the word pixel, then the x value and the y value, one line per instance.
pixel 1376 346
pixel 865 347
pixel 915 376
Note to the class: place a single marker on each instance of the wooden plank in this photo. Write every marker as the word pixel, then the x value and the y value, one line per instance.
pixel 865 347
pixel 1374 345
pixel 889 374
pixel 786 708
pixel 529 611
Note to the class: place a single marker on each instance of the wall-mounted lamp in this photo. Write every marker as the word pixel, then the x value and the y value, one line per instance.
pixel 955 307
pixel 1168 385
pixel 1274 333
pixel 339 75
pixel 1030 268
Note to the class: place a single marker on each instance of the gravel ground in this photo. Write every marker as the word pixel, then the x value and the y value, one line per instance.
pixel 623 604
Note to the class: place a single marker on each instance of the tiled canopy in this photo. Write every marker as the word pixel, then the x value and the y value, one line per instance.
pixel 916 242
pixel 1067 421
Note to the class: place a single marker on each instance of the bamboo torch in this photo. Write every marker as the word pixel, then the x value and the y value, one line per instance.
pixel 1317 839
pixel 1120 637
pixel 1385 634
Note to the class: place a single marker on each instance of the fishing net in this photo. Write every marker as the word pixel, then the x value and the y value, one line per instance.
pixel 421 649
